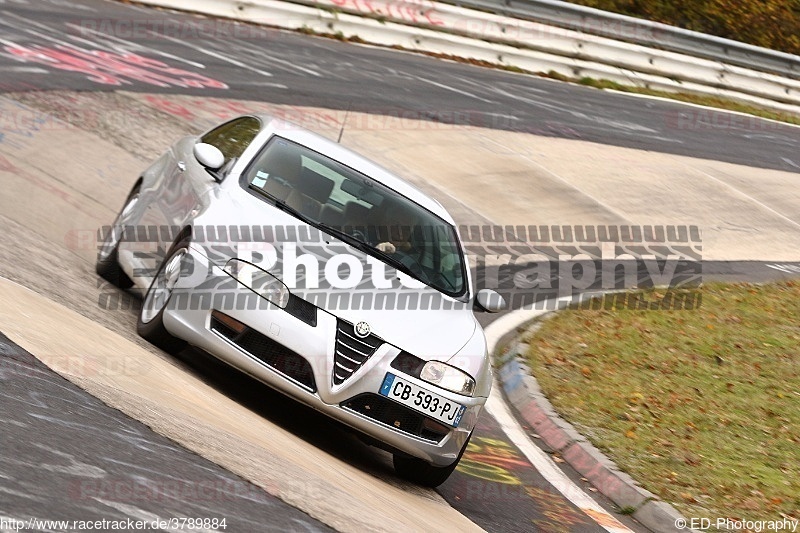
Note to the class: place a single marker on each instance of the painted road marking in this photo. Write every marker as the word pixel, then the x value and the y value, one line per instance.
pixel 24 70
pixel 455 90
pixel 128 45
pixel 290 66
pixel 221 57
pixel 789 269
pixel 110 68
pixel 498 409
pixel 790 162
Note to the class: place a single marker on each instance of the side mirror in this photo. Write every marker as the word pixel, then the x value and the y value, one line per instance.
pixel 209 156
pixel 490 301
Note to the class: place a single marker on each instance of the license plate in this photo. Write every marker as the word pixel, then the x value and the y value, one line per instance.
pixel 421 400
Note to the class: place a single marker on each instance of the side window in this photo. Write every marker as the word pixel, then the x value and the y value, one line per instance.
pixel 232 138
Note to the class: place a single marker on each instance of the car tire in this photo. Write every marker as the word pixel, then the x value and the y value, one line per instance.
pixel 107 265
pixel 150 324
pixel 423 473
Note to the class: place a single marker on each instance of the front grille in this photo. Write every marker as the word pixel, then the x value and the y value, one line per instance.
pixel 397 416
pixel 271 353
pixel 351 351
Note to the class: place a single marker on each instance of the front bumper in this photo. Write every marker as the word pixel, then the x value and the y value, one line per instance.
pixel 355 402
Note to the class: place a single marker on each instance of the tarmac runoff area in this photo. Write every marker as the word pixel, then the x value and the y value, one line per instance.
pixel 53 205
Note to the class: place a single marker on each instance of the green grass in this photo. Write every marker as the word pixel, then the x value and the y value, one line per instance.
pixel 702 407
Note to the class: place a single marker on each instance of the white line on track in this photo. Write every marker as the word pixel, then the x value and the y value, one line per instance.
pixel 630 129
pixel 790 162
pixel 449 88
pixel 498 409
pixel 288 64
pixel 128 45
pixel 24 70
pixel 232 61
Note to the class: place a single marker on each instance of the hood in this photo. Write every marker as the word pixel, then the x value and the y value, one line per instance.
pixel 435 333
pixel 340 279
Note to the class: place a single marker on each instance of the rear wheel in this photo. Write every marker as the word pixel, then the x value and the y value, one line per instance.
pixel 107 265
pixel 423 473
pixel 150 325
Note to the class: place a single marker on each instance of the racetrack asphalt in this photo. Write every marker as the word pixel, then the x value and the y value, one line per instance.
pixel 389 82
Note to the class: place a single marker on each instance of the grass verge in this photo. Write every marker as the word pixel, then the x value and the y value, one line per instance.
pixel 702 407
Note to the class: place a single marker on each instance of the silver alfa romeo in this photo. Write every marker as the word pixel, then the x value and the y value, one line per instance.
pixel 317 272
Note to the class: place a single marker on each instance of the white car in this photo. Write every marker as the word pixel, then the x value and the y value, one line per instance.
pixel 317 272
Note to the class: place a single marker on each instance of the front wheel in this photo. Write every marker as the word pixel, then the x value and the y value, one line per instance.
pixel 150 325
pixel 422 473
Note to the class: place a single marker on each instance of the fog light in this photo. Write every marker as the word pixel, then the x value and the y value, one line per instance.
pixel 228 321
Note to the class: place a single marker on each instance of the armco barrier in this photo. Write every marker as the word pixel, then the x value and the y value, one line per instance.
pixel 524 34
pixel 449 30
pixel 652 34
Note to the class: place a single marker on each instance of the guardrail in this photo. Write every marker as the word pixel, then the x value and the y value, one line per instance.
pixel 449 30
pixel 643 32
pixel 575 54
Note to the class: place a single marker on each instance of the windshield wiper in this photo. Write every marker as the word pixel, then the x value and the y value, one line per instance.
pixel 343 236
pixel 369 249
pixel 282 205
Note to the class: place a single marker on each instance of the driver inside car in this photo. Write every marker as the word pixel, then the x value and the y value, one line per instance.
pixel 396 231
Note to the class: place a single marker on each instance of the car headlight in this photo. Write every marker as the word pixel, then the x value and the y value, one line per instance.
pixel 448 377
pixel 259 281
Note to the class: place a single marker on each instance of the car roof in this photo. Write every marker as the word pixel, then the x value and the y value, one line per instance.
pixel 293 132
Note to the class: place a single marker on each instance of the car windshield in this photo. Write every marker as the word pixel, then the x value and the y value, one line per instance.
pixel 361 212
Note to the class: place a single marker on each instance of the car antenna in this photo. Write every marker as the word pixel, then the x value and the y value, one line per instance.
pixel 344 122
